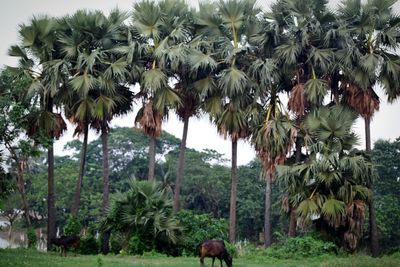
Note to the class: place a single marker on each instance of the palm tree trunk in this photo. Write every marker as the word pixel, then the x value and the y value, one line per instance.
pixel 292 214
pixel 51 195
pixel 21 189
pixel 232 210
pixel 267 213
pixel 106 190
pixel 181 162
pixel 77 198
pixel 152 158
pixel 373 227
pixel 292 222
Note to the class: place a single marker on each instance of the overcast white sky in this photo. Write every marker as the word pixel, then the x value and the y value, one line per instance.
pixel 385 124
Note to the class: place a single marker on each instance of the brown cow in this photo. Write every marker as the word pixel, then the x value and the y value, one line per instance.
pixel 65 242
pixel 214 249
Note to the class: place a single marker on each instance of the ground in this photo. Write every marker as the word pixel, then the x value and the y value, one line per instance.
pixel 32 258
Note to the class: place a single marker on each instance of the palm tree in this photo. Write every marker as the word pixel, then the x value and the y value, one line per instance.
pixel 297 34
pixel 367 58
pixel 332 182
pixel 228 25
pixel 92 43
pixel 154 26
pixel 143 212
pixel 40 61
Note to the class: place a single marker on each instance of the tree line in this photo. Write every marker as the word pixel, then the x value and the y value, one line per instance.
pixel 232 61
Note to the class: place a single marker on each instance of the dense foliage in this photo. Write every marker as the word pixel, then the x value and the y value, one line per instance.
pixel 231 61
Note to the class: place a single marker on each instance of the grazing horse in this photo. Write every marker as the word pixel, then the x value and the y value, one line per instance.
pixel 214 249
pixel 65 242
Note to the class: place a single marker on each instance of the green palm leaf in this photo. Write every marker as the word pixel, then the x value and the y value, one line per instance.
pixel 83 83
pixel 333 210
pixel 154 80
pixel 232 81
pixel 166 97
pixel 315 90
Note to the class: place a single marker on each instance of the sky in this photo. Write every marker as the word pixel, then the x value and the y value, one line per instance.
pixel 202 134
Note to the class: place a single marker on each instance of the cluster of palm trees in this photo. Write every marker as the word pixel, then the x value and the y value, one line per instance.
pixel 228 59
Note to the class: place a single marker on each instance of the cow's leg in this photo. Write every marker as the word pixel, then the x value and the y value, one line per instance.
pixel 220 261
pixel 201 261
pixel 213 261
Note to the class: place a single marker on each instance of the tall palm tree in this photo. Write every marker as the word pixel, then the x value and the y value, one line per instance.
pixel 40 60
pixel 95 46
pixel 273 136
pixel 154 26
pixel 297 31
pixel 228 25
pixel 367 58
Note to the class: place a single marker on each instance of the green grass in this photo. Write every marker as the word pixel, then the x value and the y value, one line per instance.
pixel 31 258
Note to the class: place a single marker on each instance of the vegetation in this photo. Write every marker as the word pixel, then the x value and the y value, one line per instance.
pixel 33 258
pixel 230 61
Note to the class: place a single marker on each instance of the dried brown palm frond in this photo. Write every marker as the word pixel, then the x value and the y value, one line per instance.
pixel 285 203
pixel 279 135
pixel 151 120
pixel 365 102
pixel 297 100
pixel 355 213
pixel 60 126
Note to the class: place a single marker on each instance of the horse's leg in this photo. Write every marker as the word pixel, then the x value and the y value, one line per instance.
pixel 213 261
pixel 220 261
pixel 201 261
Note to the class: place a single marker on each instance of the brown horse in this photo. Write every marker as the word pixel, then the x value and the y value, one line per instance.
pixel 214 249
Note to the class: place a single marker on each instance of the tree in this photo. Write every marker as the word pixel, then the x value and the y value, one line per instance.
pixel 39 60
pixel 298 32
pixel 367 59
pixel 228 24
pixel 153 24
pixel 14 108
pixel 386 188
pixel 332 189
pixel 144 212
pixel 98 69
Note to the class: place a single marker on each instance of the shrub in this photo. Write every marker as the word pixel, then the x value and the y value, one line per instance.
pixel 89 245
pixel 145 207
pixel 32 238
pixel 137 246
pixel 72 226
pixel 305 246
pixel 199 227
pixel 116 242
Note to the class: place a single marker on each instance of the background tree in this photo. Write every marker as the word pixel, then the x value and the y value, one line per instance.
pixel 14 108
pixel 387 160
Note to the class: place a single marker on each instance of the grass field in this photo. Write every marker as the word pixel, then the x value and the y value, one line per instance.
pixel 31 258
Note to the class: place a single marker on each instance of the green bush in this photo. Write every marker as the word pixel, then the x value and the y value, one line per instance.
pixel 32 238
pixel 137 246
pixel 197 228
pixel 72 226
pixel 301 247
pixel 116 242
pixel 231 248
pixel 89 245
